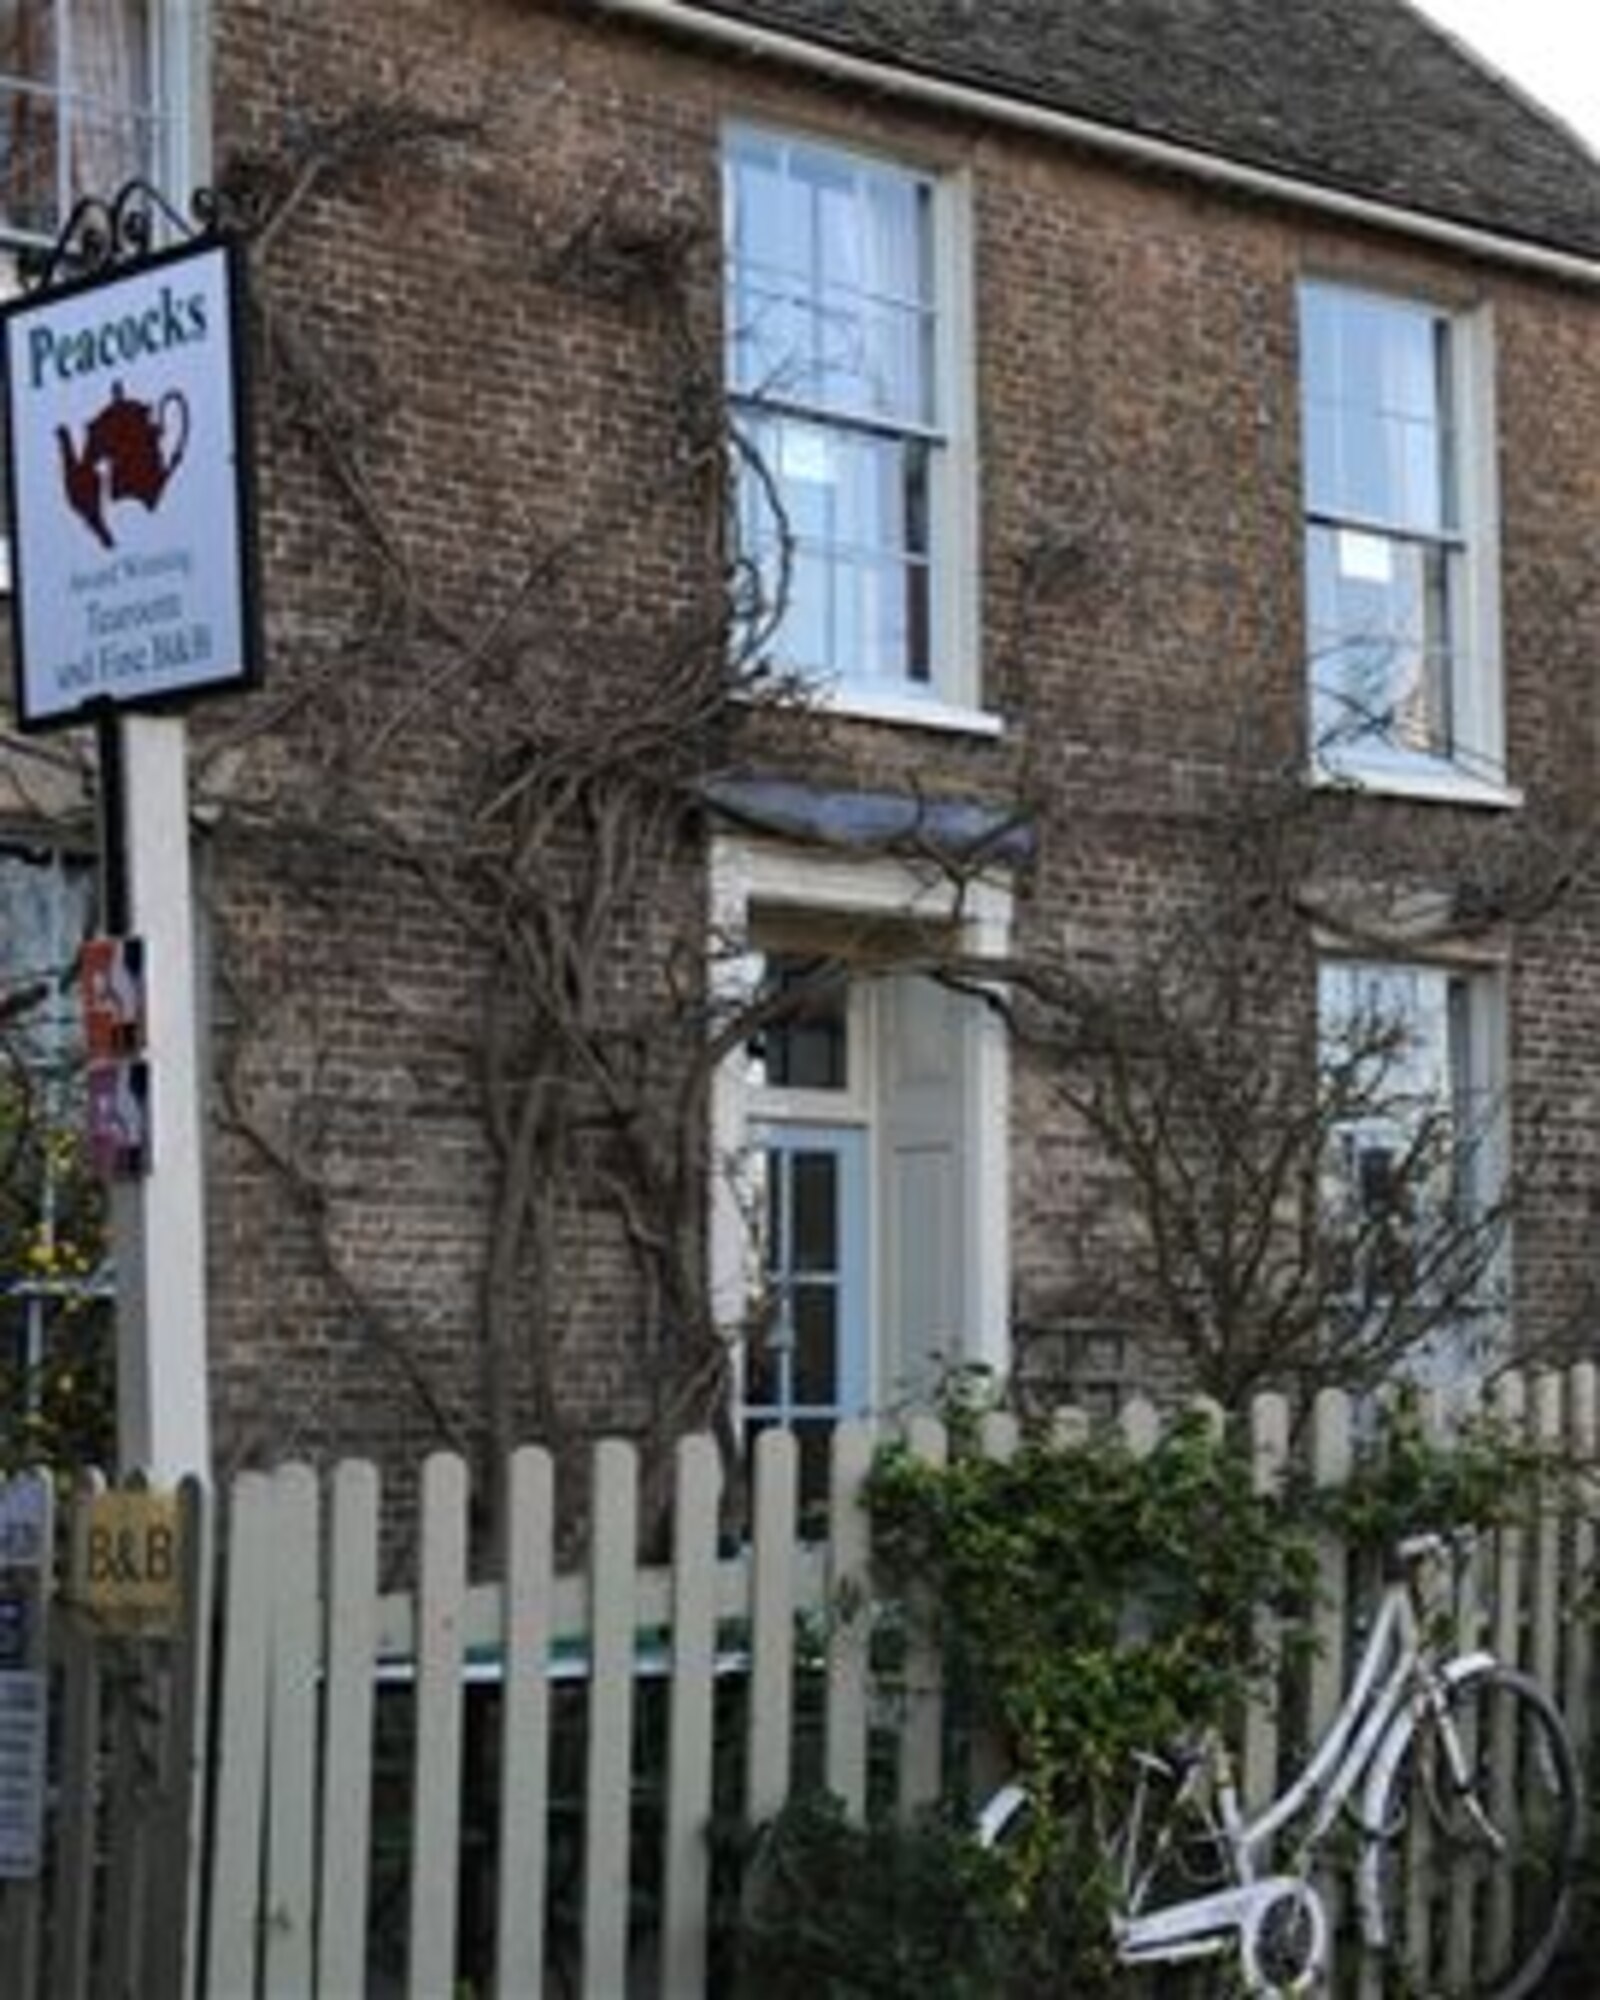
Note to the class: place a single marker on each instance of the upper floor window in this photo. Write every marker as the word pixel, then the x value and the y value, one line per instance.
pixel 1399 540
pixel 80 109
pixel 838 322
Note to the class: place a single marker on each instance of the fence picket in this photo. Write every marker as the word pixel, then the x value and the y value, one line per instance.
pixel 1269 1458
pixel 79 1790
pixel 1421 1885
pixel 849 1620
pixel 922 1733
pixel 525 1724
pixel 172 1934
pixel 999 1435
pixel 348 1720
pixel 436 1781
pixel 1546 1579
pixel 130 1718
pixel 687 1859
pixel 20 1898
pixel 293 1677
pixel 1141 1425
pixel 1584 1439
pixel 236 1819
pixel 1331 1455
pixel 1510 1406
pixel 610 1760
pixel 772 1607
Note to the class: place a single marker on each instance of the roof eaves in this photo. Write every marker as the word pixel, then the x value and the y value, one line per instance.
pixel 995 99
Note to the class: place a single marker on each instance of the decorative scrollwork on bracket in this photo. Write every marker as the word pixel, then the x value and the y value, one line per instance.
pixel 100 233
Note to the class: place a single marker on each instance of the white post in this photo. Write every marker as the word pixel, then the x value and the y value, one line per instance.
pixel 163 1409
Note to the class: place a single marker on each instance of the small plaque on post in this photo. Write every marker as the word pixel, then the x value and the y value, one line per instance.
pixel 119 1119
pixel 113 997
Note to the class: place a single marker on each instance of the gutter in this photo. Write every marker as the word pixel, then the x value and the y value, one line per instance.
pixel 937 93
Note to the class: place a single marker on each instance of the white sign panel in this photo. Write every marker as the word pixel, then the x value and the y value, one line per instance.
pixel 23 1719
pixel 24 1522
pixel 128 487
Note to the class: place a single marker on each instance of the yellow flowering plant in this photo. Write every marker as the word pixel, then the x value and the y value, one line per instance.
pixel 56 1381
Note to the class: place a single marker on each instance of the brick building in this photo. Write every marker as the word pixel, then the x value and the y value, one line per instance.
pixel 1092 371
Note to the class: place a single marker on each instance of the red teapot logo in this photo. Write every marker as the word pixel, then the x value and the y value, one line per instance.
pixel 129 452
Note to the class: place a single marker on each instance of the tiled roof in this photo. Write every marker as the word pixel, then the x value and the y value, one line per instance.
pixel 1361 95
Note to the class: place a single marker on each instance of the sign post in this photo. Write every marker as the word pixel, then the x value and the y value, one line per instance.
pixel 133 564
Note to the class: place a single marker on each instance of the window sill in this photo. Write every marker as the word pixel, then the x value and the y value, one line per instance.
pixel 909 710
pixel 1438 781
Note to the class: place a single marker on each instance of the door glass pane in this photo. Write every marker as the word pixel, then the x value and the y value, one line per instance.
pixel 814 1440
pixel 816 1348
pixel 816 1212
pixel 808 1048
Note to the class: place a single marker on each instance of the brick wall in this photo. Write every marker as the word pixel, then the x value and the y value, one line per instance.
pixel 483 400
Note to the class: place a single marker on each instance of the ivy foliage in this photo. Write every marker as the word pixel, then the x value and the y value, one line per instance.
pixel 1093 1601
pixel 833 1911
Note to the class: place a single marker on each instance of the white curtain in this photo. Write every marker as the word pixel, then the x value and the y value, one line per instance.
pixel 106 94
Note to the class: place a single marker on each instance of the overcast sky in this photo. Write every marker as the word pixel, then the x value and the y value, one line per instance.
pixel 1550 47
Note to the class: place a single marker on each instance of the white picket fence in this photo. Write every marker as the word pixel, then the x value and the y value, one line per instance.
pixel 346 1744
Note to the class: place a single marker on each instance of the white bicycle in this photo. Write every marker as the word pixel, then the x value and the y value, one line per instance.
pixel 1459 1778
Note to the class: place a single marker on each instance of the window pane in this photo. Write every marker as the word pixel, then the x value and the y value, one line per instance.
pixel 829 282
pixel 107 150
pixel 45 905
pixel 816 1443
pixel 1396 1062
pixel 28 191
pixel 856 510
pixel 1376 410
pixel 815 1243
pixel 28 40
pixel 1380 628
pixel 808 1049
pixel 110 45
pixel 816 1350
pixel 85 130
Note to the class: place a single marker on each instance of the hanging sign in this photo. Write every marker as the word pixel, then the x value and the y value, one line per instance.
pixel 128 483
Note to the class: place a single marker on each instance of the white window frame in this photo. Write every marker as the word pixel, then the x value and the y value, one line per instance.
pixel 951 698
pixel 750 878
pixel 177 43
pixel 1484 978
pixel 1473 770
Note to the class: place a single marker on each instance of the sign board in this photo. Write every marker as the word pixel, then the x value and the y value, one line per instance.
pixel 128 485
pixel 24 1523
pixel 23 1723
pixel 119 1119
pixel 127 1562
pixel 112 971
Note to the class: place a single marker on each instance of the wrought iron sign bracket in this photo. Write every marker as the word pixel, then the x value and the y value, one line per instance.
pixel 104 233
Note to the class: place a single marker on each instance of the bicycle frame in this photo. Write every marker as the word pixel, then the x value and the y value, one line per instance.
pixel 1398 1675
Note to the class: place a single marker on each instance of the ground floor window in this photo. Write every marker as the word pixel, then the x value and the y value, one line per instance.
pixel 1412 1063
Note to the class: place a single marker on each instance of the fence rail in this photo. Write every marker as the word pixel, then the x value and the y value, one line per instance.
pixel 489 1778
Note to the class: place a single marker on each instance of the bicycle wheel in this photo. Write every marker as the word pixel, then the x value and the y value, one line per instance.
pixel 1474 1874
